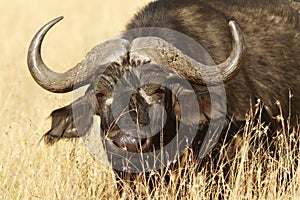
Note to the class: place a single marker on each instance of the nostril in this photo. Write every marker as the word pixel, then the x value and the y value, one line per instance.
pixel 130 141
pixel 143 141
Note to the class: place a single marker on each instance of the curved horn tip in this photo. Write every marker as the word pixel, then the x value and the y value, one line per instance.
pixel 47 26
pixel 37 39
pixel 235 29
pixel 57 19
pixel 233 24
pixel 54 21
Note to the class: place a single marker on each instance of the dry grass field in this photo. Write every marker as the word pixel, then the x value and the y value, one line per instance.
pixel 32 170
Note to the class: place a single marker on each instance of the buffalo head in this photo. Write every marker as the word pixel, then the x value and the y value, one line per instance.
pixel 150 74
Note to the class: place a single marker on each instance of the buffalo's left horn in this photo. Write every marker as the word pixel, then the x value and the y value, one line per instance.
pixel 167 55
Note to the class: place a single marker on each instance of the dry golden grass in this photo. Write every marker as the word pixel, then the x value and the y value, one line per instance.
pixel 254 173
pixel 29 170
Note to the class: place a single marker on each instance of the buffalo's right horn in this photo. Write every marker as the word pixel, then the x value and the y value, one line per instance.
pixel 64 82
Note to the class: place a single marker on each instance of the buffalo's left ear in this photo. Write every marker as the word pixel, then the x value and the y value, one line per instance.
pixel 210 106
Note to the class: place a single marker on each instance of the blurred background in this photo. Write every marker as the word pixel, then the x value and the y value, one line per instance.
pixel 25 164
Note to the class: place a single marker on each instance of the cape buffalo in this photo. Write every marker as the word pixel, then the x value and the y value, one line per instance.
pixel 255 46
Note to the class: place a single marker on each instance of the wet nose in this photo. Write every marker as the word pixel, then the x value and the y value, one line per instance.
pixel 132 140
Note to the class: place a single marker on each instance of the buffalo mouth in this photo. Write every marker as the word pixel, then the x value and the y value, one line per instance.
pixel 135 141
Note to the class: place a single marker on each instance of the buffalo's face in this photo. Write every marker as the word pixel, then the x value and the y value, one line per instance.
pixel 137 119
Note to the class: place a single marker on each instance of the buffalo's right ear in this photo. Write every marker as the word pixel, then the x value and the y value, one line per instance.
pixel 72 121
